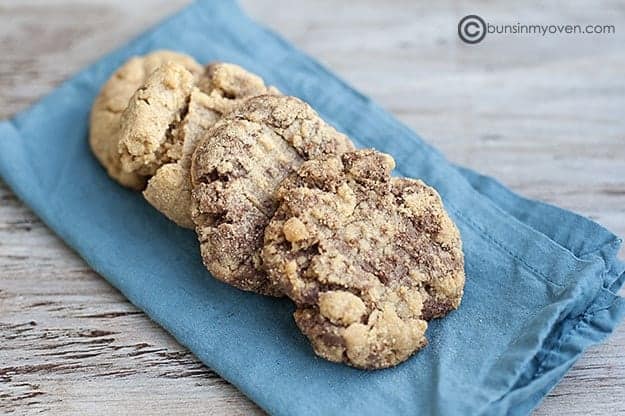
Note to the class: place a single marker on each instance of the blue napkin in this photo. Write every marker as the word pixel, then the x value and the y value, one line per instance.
pixel 541 281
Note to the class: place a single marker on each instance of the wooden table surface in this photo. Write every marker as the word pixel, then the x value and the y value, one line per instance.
pixel 543 114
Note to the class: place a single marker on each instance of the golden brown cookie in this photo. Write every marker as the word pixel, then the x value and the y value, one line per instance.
pixel 235 171
pixel 366 257
pixel 112 101
pixel 165 118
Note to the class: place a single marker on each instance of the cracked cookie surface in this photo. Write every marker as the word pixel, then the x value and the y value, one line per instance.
pixel 366 257
pixel 235 171
pixel 166 117
pixel 113 100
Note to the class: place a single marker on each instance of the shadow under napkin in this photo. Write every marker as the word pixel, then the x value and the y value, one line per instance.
pixel 536 295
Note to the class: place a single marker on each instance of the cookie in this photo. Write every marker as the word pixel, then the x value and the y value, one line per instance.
pixel 366 257
pixel 165 118
pixel 235 171
pixel 112 101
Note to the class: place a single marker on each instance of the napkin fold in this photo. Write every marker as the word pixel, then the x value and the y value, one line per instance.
pixel 541 281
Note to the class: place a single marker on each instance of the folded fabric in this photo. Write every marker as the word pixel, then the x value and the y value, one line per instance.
pixel 541 281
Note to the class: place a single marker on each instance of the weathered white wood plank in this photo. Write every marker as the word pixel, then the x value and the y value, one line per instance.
pixel 542 114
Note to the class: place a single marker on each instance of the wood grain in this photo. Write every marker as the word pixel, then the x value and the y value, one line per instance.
pixel 544 115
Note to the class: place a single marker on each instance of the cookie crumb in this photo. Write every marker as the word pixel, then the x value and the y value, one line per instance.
pixel 295 230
